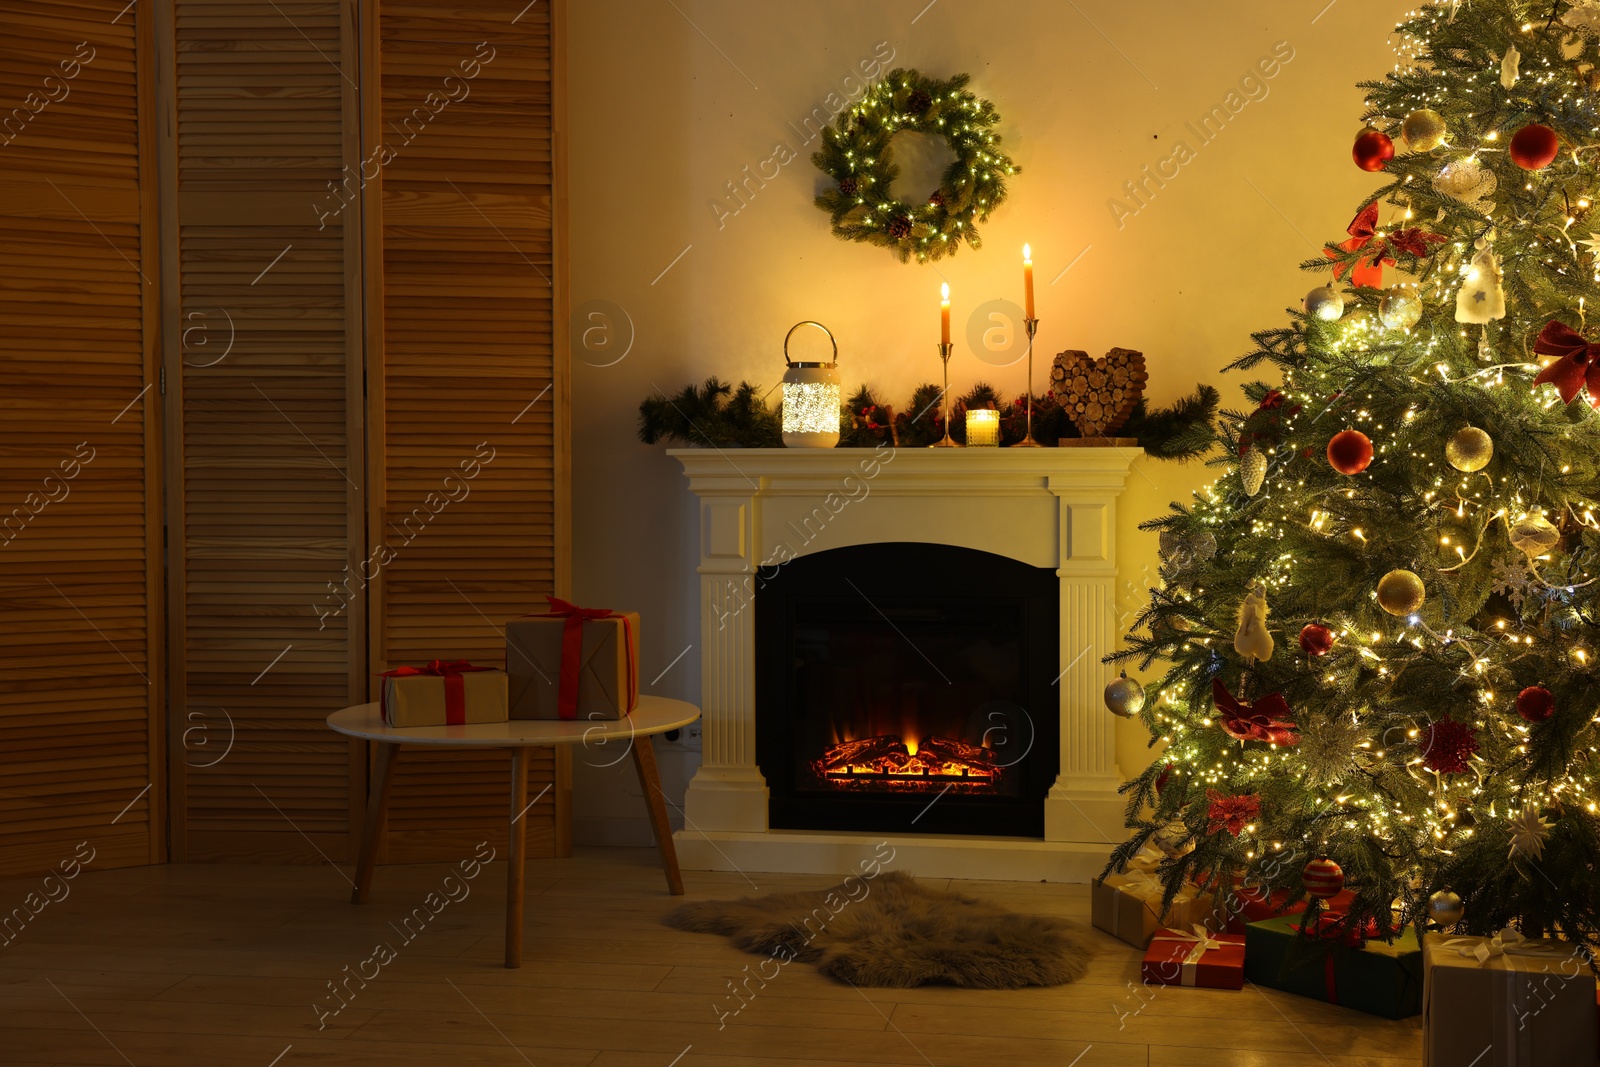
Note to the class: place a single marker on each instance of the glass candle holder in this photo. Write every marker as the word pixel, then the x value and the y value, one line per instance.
pixel 983 428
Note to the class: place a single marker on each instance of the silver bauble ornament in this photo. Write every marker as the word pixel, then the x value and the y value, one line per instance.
pixel 1325 303
pixel 1423 130
pixel 1170 839
pixel 1469 449
pixel 1253 470
pixel 1445 908
pixel 1400 592
pixel 1124 697
pixel 1533 534
pixel 1468 181
pixel 1400 308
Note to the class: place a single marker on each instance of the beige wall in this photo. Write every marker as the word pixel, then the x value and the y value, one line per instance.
pixel 671 100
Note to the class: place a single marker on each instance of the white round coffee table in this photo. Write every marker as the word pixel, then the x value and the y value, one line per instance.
pixel 654 715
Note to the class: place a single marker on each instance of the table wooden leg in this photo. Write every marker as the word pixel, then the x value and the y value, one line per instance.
pixel 518 847
pixel 377 818
pixel 644 761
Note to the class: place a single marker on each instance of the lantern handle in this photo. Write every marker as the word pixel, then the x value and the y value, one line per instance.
pixel 808 322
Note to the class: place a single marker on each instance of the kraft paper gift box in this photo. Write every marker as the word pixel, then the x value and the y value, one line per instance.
pixel 1201 958
pixel 573 663
pixel 1506 1001
pixel 1378 977
pixel 443 694
pixel 1128 906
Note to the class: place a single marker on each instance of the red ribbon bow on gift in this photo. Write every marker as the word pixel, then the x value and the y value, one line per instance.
pixel 455 687
pixel 572 653
pixel 1576 364
pixel 1369 268
pixel 1265 720
pixel 1327 928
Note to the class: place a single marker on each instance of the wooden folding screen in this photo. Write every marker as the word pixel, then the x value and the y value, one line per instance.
pixel 80 533
pixel 266 472
pixel 468 404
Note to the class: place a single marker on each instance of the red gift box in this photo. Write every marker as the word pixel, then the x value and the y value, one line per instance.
pixel 1255 903
pixel 1215 961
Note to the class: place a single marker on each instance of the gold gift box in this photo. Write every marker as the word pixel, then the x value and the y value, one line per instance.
pixel 1128 906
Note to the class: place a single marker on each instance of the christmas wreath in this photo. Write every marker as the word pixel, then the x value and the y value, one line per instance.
pixel 857 154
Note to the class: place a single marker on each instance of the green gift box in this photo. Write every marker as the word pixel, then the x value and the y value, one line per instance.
pixel 1377 977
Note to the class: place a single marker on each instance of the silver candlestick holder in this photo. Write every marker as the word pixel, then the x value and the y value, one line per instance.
pixel 1032 326
pixel 945 348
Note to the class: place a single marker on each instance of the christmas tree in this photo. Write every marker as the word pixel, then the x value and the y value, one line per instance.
pixel 1379 625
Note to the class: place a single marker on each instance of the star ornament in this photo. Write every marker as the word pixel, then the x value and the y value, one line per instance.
pixel 1592 243
pixel 1528 831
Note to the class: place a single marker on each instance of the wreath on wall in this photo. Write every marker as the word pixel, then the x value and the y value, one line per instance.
pixel 857 154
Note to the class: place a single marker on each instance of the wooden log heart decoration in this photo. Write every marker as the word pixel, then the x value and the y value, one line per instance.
pixel 1098 395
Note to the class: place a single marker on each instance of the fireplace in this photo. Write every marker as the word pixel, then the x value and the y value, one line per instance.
pixel 907 688
pixel 1007 536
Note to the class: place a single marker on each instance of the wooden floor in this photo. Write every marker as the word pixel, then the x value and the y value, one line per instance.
pixel 208 965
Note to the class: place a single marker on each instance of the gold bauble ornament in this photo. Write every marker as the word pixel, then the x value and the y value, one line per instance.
pixel 1469 449
pixel 1533 534
pixel 1423 130
pixel 1325 303
pixel 1400 308
pixel 1445 908
pixel 1400 592
pixel 1124 697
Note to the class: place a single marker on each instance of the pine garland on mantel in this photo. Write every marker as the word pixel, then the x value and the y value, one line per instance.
pixel 718 415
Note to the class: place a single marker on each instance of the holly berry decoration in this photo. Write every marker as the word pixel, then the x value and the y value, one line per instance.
pixel 1536 703
pixel 1349 451
pixel 1372 150
pixel 1323 878
pixel 1316 639
pixel 1534 147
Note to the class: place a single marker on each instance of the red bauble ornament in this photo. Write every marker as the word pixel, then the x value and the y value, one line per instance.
pixel 1372 150
pixel 1316 639
pixel 1163 778
pixel 1536 704
pixel 1534 147
pixel 1349 451
pixel 1323 878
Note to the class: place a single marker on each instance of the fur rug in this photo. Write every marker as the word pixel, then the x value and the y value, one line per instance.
pixel 893 931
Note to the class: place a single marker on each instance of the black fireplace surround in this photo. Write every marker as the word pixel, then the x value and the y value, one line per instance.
pixel 908 688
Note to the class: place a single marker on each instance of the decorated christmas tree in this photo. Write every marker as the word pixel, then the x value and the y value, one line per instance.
pixel 1380 625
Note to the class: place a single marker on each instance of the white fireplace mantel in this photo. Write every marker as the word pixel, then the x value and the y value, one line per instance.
pixel 1047 507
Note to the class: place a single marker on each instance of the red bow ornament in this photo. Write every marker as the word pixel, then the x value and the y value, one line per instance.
pixel 1268 719
pixel 1369 268
pixel 455 687
pixel 1576 362
pixel 572 651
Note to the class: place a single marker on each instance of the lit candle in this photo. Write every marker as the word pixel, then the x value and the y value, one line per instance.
pixel 1027 280
pixel 944 313
pixel 983 428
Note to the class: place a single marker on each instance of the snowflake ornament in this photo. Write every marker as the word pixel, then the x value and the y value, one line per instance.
pixel 1528 831
pixel 1515 580
pixel 1329 750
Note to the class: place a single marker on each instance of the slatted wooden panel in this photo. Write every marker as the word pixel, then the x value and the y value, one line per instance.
pixel 471 441
pixel 80 638
pixel 267 438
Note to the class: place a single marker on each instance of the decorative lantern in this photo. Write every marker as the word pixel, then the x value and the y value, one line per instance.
pixel 983 428
pixel 810 397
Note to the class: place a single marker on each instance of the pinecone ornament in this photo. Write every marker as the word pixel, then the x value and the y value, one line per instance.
pixel 919 101
pixel 1253 470
pixel 937 199
pixel 899 227
pixel 848 186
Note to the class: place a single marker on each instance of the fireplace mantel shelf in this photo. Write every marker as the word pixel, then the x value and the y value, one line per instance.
pixel 1051 508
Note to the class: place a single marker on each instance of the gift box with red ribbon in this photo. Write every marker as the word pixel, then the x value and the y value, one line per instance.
pixel 1334 961
pixel 573 663
pixel 1506 1001
pixel 1200 958
pixel 1250 903
pixel 443 693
